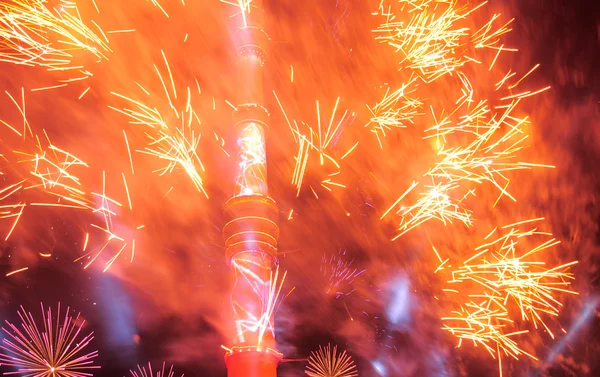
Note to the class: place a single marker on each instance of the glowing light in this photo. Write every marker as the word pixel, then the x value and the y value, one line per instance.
pixel 254 299
pixel 319 142
pixel 395 110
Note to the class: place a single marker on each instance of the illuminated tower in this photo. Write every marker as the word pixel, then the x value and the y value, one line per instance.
pixel 251 229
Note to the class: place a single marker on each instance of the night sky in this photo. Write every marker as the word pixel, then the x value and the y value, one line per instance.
pixel 171 303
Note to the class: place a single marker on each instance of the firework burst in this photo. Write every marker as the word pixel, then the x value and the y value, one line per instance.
pixel 327 362
pixel 55 351
pixel 142 371
pixel 504 274
pixel 319 143
pixel 175 145
pixel 35 33
pixel 339 273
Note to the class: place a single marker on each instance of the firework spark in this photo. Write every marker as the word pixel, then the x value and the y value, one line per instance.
pixel 434 203
pixel 339 273
pixel 175 145
pixel 431 40
pixel 33 34
pixel 395 110
pixel 55 351
pixel 503 274
pixel 327 362
pixel 53 182
pixel 245 6
pixel 143 372
pixel 321 141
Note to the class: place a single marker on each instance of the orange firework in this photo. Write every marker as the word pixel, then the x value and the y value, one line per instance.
pixel 504 274
pixel 176 145
pixel 55 351
pixel 259 319
pixel 496 138
pixel 54 172
pixel 395 110
pixel 319 142
pixel 35 34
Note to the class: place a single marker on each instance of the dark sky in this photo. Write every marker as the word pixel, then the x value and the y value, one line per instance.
pixel 171 306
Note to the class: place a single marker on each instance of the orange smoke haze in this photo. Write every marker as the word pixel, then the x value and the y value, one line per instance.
pixel 320 50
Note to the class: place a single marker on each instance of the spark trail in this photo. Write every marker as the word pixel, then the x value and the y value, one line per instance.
pixel 167 142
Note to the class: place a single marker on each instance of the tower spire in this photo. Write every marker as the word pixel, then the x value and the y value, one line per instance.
pixel 251 229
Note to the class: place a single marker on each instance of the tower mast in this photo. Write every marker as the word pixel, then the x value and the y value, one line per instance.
pixel 251 229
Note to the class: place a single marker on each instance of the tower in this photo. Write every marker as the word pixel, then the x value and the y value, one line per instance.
pixel 251 230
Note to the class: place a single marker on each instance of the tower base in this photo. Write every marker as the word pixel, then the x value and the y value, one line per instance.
pixel 250 362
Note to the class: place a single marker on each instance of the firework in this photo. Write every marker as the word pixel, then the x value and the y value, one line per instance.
pixel 245 6
pixel 33 33
pixel 13 210
pixel 497 136
pixel 434 203
pixel 327 362
pixel 485 324
pixel 55 351
pixel 430 40
pixel 339 273
pixel 502 275
pixel 54 173
pixel 143 372
pixel 395 110
pixel 511 272
pixel 319 142
pixel 176 145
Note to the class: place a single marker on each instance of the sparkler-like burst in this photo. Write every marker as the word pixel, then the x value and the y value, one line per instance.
pixel 142 371
pixel 506 273
pixel 435 40
pixel 35 33
pixel 319 142
pixel 55 351
pixel 395 110
pixel 176 145
pixel 327 362
pixel 496 138
pixel 435 203
pixel 431 41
